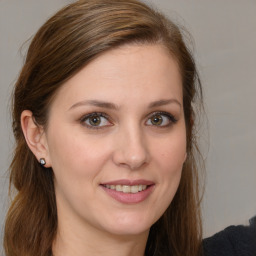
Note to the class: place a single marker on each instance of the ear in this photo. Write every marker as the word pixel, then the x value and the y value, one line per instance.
pixel 35 137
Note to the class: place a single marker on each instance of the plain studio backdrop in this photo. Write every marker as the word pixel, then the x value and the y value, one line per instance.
pixel 224 33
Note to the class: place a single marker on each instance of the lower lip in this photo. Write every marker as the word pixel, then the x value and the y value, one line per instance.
pixel 129 198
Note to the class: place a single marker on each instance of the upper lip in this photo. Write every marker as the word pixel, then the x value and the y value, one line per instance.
pixel 129 182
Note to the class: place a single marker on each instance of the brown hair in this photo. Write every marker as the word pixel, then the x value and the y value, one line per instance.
pixel 67 42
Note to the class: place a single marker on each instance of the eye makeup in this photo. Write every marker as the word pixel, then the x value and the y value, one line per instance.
pixel 161 119
pixel 100 120
pixel 96 120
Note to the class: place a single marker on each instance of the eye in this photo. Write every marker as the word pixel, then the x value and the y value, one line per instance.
pixel 161 119
pixel 96 120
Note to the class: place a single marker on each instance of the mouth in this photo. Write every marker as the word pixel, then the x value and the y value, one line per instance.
pixel 129 191
pixel 127 188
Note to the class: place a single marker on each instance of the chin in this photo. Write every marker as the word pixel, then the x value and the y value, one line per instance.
pixel 130 226
pixel 129 231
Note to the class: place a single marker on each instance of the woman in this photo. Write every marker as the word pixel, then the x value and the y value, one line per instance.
pixel 105 138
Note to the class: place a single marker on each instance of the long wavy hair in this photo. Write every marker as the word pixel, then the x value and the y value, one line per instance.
pixel 65 44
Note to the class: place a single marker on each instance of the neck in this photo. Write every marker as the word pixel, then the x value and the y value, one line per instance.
pixel 79 242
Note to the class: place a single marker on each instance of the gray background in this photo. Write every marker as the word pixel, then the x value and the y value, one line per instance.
pixel 224 32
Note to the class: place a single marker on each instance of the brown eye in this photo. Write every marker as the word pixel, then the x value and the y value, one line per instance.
pixel 161 119
pixel 156 119
pixel 94 120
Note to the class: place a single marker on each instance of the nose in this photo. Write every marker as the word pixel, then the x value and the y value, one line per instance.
pixel 131 149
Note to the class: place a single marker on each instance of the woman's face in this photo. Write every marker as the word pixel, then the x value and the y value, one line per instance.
pixel 116 141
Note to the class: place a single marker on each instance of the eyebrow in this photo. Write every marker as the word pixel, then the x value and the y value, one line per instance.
pixel 160 103
pixel 109 105
pixel 97 103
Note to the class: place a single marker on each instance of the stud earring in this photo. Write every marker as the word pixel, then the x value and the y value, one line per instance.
pixel 42 161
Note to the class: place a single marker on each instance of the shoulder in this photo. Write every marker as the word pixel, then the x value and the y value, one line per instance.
pixel 232 241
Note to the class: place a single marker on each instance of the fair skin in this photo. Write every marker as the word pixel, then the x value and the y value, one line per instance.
pixel 118 124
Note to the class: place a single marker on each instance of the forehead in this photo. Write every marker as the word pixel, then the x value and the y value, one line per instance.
pixel 127 72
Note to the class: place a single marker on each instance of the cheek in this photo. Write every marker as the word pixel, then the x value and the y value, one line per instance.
pixel 75 156
pixel 171 153
pixel 76 162
pixel 170 157
pixel 171 163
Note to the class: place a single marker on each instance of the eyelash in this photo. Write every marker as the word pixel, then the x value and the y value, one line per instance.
pixel 172 120
pixel 170 117
pixel 96 114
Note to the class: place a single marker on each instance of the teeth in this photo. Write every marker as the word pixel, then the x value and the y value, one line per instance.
pixel 126 188
pixel 134 189
pixel 119 188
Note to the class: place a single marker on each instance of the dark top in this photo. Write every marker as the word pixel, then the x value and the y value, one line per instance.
pixel 232 241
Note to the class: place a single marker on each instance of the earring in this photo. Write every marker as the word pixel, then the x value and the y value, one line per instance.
pixel 42 161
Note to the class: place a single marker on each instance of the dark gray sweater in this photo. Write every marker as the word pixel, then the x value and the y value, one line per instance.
pixel 232 241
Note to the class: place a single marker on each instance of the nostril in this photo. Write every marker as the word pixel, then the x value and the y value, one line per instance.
pixel 132 162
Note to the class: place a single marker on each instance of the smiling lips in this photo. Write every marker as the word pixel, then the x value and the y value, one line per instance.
pixel 127 188
pixel 127 191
